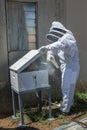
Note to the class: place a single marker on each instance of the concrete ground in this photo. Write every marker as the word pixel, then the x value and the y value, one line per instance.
pixel 73 126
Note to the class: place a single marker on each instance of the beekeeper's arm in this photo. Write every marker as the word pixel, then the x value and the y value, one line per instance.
pixel 58 45
pixel 54 46
pixel 67 40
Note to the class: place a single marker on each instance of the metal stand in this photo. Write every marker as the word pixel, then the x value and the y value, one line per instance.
pixel 40 101
pixel 14 107
pixel 50 109
pixel 22 125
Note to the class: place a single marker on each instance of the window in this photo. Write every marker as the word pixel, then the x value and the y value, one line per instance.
pixel 21 25
pixel 30 18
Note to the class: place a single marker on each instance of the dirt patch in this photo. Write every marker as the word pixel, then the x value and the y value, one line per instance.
pixel 7 122
pixel 34 121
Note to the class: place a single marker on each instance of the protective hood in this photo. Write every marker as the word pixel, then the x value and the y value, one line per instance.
pixel 56 31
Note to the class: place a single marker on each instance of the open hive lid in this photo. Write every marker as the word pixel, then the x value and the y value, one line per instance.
pixel 25 61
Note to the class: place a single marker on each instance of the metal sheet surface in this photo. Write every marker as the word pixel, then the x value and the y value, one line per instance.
pixel 25 61
pixel 29 81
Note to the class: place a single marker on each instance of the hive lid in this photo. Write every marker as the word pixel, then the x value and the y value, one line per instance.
pixel 25 61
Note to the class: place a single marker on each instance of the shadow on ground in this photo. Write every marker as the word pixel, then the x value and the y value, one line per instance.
pixel 18 128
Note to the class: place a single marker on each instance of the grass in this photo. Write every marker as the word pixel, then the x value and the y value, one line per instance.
pixel 63 121
pixel 81 96
pixel 80 104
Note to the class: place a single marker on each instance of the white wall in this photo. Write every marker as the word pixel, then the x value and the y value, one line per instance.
pixel 76 20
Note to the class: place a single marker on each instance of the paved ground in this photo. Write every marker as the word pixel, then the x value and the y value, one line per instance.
pixel 73 126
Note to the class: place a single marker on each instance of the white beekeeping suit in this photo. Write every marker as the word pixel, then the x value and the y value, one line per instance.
pixel 64 45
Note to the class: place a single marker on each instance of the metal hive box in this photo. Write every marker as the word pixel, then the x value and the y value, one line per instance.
pixel 22 81
pixel 29 81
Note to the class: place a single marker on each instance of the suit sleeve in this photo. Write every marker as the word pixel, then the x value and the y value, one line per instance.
pixel 59 45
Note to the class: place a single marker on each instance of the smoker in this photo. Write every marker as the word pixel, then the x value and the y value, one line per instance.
pixel 28 81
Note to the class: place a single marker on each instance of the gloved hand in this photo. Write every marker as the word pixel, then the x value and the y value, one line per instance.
pixel 43 49
pixel 49 57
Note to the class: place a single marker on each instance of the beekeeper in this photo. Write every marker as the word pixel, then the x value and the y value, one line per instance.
pixel 64 45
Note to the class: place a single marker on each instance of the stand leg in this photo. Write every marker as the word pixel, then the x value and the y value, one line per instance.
pixel 40 101
pixel 22 125
pixel 50 109
pixel 14 107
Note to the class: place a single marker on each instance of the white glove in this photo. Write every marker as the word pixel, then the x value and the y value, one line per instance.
pixel 43 49
pixel 49 57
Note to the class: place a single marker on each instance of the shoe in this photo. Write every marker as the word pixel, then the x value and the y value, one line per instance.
pixel 62 113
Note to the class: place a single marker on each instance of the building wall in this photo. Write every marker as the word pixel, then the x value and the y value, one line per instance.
pixel 47 13
pixel 3 45
pixel 76 20
pixel 71 13
pixel 5 94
